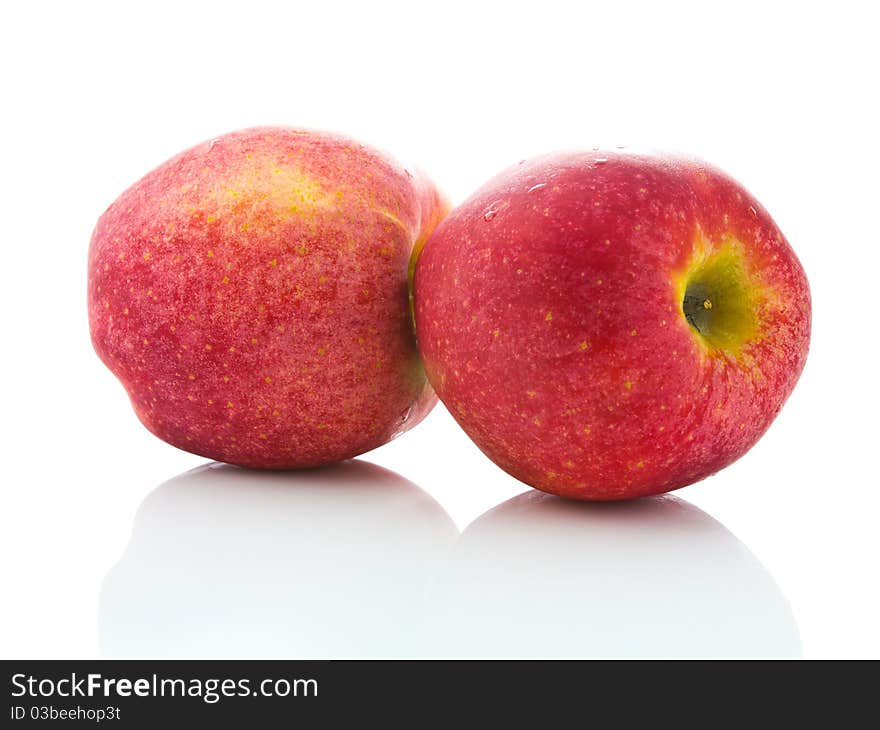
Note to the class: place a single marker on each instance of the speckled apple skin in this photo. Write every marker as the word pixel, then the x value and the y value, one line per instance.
pixel 252 296
pixel 550 323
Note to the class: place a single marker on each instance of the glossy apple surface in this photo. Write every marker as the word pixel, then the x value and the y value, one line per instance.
pixel 252 296
pixel 610 325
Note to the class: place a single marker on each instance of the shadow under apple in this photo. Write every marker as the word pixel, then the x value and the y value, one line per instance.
pixel 324 563
pixel 539 576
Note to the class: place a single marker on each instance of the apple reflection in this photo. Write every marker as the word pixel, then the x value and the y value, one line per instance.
pixel 325 563
pixel 539 576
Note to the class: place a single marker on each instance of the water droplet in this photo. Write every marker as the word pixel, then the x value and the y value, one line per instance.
pixel 601 160
pixel 212 143
pixel 595 149
pixel 521 162
pixel 491 211
pixel 753 211
pixel 537 187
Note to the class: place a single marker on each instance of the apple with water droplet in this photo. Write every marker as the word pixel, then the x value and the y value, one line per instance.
pixel 608 325
pixel 252 296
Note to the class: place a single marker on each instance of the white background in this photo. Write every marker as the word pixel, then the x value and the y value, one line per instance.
pixel 782 96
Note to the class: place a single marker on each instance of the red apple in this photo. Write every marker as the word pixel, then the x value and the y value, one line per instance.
pixel 611 325
pixel 252 296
